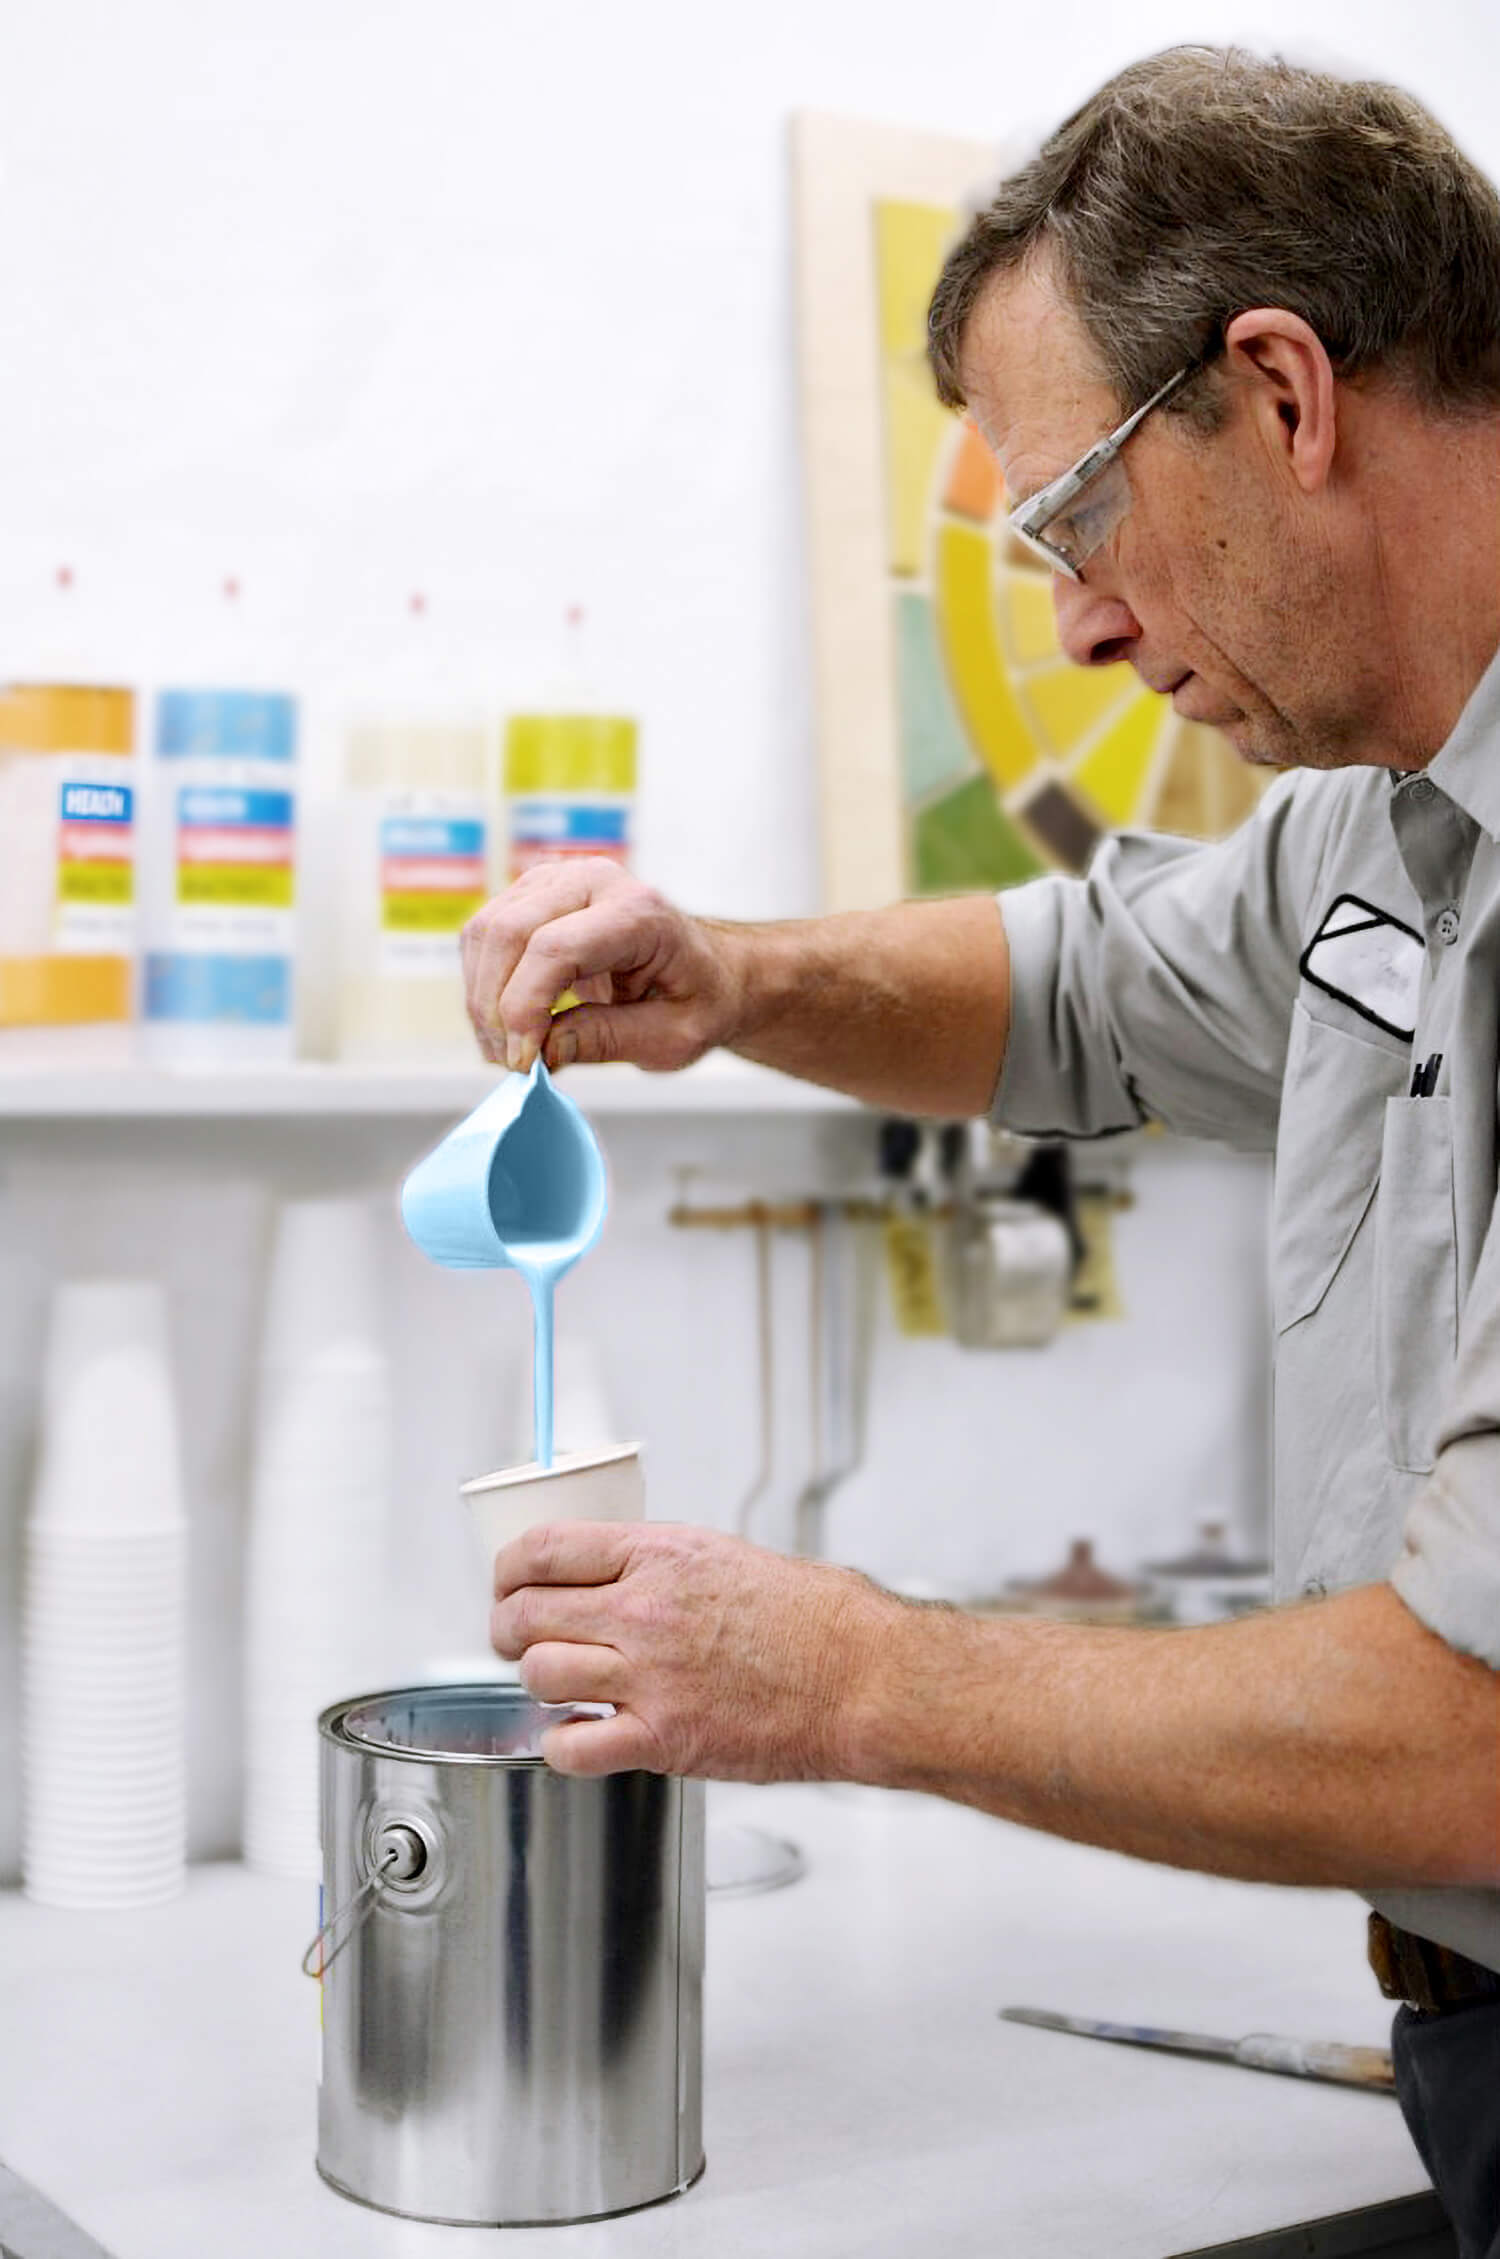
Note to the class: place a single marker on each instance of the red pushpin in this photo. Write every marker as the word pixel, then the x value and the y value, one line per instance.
pixel 64 576
pixel 232 589
pixel 418 604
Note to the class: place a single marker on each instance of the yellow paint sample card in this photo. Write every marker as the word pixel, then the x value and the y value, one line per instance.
pixel 911 1265
pixel 1096 1288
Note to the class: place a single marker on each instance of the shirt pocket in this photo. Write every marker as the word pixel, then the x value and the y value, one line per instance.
pixel 1416 1277
pixel 1328 1154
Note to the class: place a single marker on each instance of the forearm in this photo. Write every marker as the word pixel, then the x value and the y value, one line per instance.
pixel 906 1008
pixel 1340 1744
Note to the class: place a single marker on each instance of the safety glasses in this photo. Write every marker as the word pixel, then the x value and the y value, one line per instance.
pixel 1075 513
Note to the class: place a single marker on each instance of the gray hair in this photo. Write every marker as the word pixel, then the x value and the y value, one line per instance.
pixel 1206 180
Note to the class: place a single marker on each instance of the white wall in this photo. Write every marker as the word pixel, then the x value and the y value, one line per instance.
pixel 493 302
pixel 979 1465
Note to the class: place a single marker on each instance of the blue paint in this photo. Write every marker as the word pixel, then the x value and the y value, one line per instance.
pixel 521 1184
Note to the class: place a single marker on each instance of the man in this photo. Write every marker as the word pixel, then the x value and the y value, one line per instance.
pixel 1296 281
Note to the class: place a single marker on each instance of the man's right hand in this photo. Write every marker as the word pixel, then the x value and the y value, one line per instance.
pixel 655 987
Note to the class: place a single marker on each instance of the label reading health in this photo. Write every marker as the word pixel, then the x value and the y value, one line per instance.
pixel 432 880
pixel 544 830
pixel 235 854
pixel 95 911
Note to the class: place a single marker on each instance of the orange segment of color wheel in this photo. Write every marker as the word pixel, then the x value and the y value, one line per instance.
pixel 973 489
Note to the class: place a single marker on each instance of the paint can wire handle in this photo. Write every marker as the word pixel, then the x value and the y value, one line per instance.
pixel 402 1858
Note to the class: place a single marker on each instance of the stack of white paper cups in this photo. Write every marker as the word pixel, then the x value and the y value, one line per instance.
pixel 315 1594
pixel 103 1633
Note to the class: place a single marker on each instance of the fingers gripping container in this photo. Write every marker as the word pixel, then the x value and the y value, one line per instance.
pixel 512 1967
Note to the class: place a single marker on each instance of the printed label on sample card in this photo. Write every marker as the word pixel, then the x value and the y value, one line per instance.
pixel 1096 1291
pixel 235 851
pixel 95 914
pixel 230 957
pixel 912 1269
pixel 543 829
pixel 432 880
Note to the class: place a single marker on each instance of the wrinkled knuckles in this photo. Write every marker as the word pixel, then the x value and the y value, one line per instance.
pixel 606 1042
pixel 513 1626
pixel 542 1552
pixel 658 1753
pixel 544 1674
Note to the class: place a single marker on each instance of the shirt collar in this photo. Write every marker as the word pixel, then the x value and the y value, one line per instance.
pixel 1467 767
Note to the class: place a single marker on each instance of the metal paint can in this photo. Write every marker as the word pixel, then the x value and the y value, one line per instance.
pixel 512 1967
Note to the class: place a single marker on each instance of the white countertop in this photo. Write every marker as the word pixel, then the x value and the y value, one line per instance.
pixel 158 2069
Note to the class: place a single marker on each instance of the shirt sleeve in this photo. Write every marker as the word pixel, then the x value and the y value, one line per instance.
pixel 1448 1572
pixel 1160 986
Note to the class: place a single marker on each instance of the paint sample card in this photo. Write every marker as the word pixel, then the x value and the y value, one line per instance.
pixel 233 905
pixel 911 1266
pixel 432 881
pixel 1095 1291
pixel 95 908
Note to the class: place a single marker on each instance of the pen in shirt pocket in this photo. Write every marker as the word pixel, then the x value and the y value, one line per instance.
pixel 1424 1078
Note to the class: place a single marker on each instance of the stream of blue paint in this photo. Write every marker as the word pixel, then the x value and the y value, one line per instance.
pixel 546 1212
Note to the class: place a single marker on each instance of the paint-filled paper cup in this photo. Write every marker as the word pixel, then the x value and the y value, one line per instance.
pixel 579 1486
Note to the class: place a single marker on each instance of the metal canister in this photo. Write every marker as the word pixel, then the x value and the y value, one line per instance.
pixel 512 1967
pixel 1012 1266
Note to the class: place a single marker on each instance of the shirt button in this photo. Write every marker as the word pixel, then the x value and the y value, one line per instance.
pixel 1421 788
pixel 1314 1589
pixel 1447 925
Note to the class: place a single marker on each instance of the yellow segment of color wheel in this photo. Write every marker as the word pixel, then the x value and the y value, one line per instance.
pixel 966 623
pixel 1115 770
pixel 1070 702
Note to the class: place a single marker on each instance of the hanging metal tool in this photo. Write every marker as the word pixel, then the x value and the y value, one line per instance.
pixel 842 1322
pixel 807 1519
pixel 765 1358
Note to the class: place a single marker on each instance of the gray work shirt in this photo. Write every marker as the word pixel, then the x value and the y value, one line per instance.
pixel 1280 990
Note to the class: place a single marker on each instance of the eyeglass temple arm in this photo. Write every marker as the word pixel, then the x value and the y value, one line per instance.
pixel 1056 497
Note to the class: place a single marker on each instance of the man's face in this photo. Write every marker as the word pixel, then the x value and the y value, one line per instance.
pixel 1216 586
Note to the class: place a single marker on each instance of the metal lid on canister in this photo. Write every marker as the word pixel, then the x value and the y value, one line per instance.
pixel 448 757
pixel 240 725
pixel 487 1723
pixel 570 753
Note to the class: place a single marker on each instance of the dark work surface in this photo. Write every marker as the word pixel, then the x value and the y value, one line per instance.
pixel 1410 2227
pixel 33 2228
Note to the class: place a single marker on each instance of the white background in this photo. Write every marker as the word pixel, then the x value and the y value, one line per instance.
pixel 494 303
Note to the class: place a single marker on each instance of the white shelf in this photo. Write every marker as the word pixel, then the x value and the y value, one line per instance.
pixel 719 1084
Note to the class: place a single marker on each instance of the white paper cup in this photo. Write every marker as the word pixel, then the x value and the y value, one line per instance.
pixel 579 1486
pixel 90 1319
pixel 109 1452
pixel 323 1292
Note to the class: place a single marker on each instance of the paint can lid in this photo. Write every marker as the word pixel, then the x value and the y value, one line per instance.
pixel 487 1723
pixel 242 725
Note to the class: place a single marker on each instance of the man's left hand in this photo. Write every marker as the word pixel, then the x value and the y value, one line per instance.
pixel 722 1660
